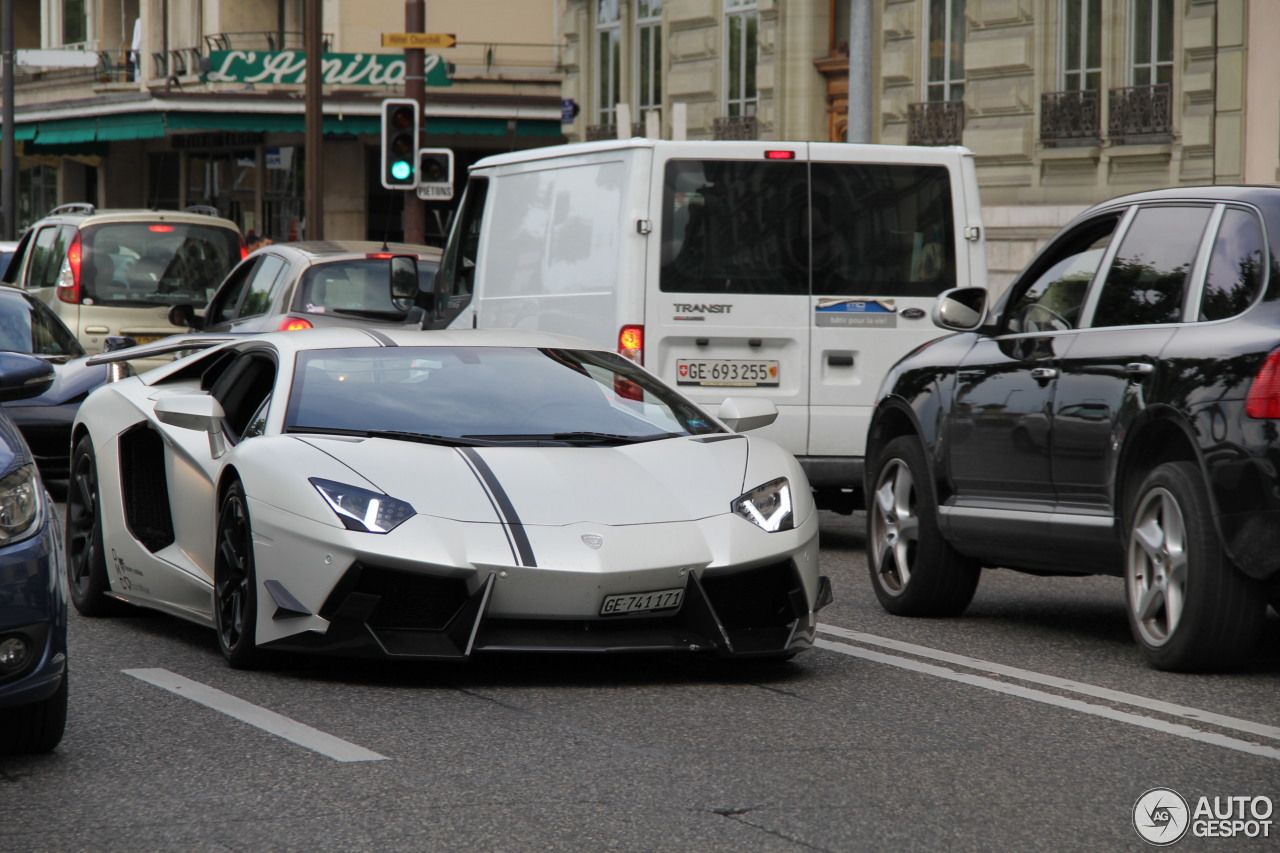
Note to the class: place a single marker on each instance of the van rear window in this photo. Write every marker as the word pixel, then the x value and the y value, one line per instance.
pixel 842 229
pixel 155 263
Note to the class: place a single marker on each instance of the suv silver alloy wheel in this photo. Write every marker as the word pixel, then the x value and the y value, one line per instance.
pixel 914 570
pixel 1157 567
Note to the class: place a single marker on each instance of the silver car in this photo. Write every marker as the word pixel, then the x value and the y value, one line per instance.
pixel 291 286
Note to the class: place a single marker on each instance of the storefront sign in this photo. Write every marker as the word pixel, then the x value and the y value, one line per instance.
pixel 286 67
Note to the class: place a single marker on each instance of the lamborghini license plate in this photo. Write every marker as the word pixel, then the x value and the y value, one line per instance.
pixel 641 602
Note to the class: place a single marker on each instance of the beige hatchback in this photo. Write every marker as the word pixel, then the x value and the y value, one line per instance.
pixel 118 272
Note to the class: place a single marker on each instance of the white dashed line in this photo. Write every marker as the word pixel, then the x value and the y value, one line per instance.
pixel 1016 690
pixel 246 712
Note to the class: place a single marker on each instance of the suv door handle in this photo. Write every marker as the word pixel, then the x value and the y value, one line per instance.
pixel 1044 374
pixel 1139 369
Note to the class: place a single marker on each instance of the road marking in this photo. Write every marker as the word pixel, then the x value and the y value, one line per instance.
pixel 246 712
pixel 1247 726
pixel 1163 726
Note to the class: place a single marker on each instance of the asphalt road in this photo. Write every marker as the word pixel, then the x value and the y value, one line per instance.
pixel 1028 724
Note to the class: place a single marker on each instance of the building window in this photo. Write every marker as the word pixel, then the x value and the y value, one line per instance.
pixel 944 73
pixel 75 23
pixel 1081 45
pixel 741 24
pixel 1152 43
pixel 648 56
pixel 608 60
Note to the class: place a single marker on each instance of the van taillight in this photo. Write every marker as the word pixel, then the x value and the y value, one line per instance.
pixel 631 343
pixel 1264 394
pixel 69 291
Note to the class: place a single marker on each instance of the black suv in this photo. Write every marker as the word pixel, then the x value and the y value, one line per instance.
pixel 1116 411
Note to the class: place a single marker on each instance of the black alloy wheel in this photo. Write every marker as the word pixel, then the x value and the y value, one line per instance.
pixel 235 602
pixel 87 580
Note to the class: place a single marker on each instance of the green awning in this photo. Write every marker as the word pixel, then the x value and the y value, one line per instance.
pixel 50 135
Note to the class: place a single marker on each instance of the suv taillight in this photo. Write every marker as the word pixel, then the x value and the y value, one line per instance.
pixel 1264 394
pixel 69 291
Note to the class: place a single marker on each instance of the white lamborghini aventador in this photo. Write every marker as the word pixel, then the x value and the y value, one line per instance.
pixel 412 494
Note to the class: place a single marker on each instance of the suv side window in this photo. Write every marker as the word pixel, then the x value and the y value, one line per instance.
pixel 1060 279
pixel 47 251
pixel 1235 268
pixel 1147 281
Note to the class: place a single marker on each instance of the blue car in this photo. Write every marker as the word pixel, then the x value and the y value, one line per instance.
pixel 33 596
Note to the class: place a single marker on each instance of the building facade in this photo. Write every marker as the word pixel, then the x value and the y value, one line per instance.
pixel 201 103
pixel 1063 102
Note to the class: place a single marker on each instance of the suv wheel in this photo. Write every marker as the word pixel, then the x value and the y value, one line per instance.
pixel 1189 608
pixel 914 570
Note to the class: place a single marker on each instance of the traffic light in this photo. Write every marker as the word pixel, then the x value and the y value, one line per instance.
pixel 400 143
pixel 435 174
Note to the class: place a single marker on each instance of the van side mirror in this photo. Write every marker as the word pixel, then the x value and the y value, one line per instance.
pixel 404 279
pixel 741 414
pixel 961 309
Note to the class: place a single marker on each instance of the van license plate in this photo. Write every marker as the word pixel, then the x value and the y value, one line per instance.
pixel 723 371
pixel 641 602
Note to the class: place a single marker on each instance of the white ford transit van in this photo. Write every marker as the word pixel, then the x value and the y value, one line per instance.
pixel 794 271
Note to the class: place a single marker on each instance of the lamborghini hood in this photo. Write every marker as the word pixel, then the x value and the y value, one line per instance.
pixel 679 479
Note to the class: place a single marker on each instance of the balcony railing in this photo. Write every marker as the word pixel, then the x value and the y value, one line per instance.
pixel 1071 118
pixel 597 132
pixel 935 123
pixel 735 127
pixel 263 40
pixel 1140 114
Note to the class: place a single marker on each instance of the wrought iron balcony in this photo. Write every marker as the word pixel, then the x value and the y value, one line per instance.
pixel 1140 114
pixel 1071 118
pixel 735 127
pixel 935 123
pixel 597 132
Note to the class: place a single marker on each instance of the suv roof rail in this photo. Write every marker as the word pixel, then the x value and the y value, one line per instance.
pixel 73 207
pixel 204 209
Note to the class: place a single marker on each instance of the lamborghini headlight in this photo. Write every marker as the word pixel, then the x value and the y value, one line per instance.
pixel 19 503
pixel 361 509
pixel 768 506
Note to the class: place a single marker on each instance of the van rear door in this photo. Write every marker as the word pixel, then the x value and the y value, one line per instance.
pixel 889 234
pixel 727 298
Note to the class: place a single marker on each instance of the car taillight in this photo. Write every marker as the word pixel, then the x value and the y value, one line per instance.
pixel 69 290
pixel 631 343
pixel 294 324
pixel 244 250
pixel 1264 394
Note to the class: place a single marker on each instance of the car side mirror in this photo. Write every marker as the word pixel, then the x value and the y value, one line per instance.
pixel 23 376
pixel 115 343
pixel 404 279
pixel 199 412
pixel 184 314
pixel 741 414
pixel 961 309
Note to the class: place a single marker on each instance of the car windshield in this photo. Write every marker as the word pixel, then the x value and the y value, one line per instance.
pixel 356 286
pixel 483 394
pixel 27 325
pixel 155 263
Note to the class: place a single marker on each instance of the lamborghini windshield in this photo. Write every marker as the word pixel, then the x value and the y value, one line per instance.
pixel 486 394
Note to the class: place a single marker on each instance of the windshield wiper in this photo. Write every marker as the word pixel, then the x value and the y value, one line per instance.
pixel 397 434
pixel 610 438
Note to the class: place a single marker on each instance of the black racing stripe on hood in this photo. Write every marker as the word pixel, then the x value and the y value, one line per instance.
pixel 511 520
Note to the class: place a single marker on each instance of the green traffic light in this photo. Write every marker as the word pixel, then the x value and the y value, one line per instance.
pixel 401 170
